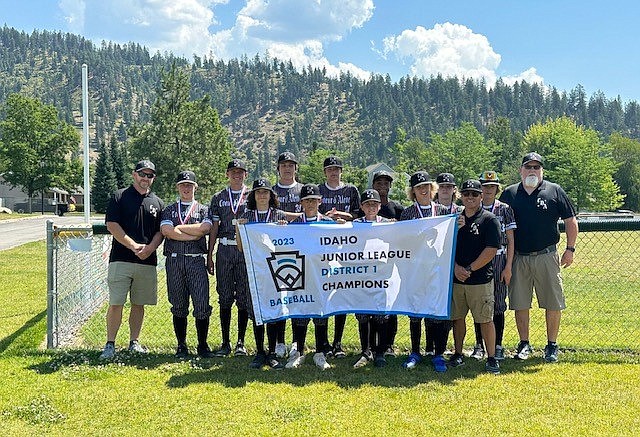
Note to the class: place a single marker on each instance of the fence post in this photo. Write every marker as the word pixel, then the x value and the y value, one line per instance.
pixel 50 279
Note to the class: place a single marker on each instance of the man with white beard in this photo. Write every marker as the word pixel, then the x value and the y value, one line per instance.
pixel 537 205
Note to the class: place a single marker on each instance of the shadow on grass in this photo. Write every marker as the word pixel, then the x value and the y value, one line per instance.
pixel 20 338
pixel 234 372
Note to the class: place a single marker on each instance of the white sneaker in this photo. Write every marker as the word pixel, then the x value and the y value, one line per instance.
pixel 295 360
pixel 281 350
pixel 108 352
pixel 321 361
pixel 137 348
pixel 363 361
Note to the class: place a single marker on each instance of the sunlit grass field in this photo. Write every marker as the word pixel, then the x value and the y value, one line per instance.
pixel 593 390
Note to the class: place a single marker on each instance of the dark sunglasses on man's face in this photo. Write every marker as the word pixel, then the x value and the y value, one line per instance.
pixel 470 193
pixel 532 167
pixel 143 174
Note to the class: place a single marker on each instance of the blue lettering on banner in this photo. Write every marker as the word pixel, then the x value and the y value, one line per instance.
pixel 286 300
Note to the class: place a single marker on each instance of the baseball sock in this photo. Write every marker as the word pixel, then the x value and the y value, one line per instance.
pixel 476 326
pixel 272 336
pixel 180 328
pixel 225 324
pixel 382 340
pixel 498 321
pixel 415 328
pixel 243 319
pixel 258 333
pixel 322 338
pixel 202 330
pixel 392 329
pixel 363 330
pixel 299 336
pixel 340 321
pixel 282 327
pixel 429 336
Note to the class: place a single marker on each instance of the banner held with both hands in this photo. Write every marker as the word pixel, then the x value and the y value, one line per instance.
pixel 323 269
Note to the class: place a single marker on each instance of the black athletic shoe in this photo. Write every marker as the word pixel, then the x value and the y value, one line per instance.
pixel 205 352
pixel 258 361
pixel 456 360
pixel 224 351
pixel 272 361
pixel 380 360
pixel 182 351
pixel 337 351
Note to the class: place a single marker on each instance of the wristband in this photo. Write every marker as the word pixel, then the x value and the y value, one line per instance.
pixel 469 269
pixel 571 248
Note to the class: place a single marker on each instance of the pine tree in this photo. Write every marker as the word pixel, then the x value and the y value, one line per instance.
pixel 104 180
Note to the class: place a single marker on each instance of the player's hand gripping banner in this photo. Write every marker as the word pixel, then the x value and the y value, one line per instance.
pixel 316 270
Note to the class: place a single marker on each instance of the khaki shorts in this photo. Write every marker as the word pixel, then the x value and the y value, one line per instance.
pixel 542 273
pixel 477 298
pixel 140 279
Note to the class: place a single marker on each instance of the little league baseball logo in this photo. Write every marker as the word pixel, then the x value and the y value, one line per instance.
pixel 287 270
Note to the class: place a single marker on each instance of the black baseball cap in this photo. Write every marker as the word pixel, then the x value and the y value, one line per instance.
pixel 382 174
pixel 262 184
pixel 287 156
pixel 532 156
pixel 145 164
pixel 187 177
pixel 310 191
pixel 419 178
pixel 489 178
pixel 332 161
pixel 445 179
pixel 370 194
pixel 471 185
pixel 236 163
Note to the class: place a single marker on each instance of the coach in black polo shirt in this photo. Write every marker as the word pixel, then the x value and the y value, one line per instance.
pixel 476 245
pixel 537 205
pixel 133 218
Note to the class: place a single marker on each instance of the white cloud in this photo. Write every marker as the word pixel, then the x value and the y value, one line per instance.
pixel 287 29
pixel 530 76
pixel 450 50
pixel 73 11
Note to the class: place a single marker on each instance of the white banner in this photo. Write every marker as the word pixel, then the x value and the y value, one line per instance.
pixel 321 269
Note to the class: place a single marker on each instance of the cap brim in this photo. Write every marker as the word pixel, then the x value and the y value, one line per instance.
pixel 421 183
pixel 311 197
pixel 490 183
pixel 187 181
pixel 471 189
pixel 532 160
pixel 332 165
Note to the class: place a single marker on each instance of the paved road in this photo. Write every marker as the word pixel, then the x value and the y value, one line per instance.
pixel 20 231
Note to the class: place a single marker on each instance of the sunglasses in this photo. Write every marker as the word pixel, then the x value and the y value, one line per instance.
pixel 470 193
pixel 532 167
pixel 143 174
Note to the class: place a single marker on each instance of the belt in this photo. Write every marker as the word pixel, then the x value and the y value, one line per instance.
pixel 547 249
pixel 501 251
pixel 227 241
pixel 194 255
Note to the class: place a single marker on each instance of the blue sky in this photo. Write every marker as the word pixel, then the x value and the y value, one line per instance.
pixel 556 43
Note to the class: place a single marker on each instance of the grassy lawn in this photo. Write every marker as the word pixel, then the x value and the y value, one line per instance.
pixel 70 392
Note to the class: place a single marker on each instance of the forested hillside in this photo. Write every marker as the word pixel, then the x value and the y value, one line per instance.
pixel 267 105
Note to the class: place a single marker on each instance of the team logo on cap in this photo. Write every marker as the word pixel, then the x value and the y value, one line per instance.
pixel 287 270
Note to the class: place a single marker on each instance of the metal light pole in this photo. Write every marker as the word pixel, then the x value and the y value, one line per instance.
pixel 85 136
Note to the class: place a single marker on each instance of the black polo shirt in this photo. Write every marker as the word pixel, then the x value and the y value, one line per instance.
pixel 139 216
pixel 480 231
pixel 392 210
pixel 537 214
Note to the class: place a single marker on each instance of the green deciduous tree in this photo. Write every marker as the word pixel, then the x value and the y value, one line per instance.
pixel 182 134
pixel 626 153
pixel 576 159
pixel 462 151
pixel 37 146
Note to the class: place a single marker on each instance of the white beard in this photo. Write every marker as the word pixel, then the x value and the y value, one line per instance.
pixel 531 181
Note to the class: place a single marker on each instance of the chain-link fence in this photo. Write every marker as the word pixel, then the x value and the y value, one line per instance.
pixel 602 288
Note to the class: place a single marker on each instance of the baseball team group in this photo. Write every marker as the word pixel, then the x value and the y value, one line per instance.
pixel 506 247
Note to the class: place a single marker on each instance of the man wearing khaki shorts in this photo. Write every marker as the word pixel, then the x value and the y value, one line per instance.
pixel 133 218
pixel 477 242
pixel 538 205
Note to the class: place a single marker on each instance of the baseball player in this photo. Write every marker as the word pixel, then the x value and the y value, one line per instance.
pixel 225 209
pixel 372 327
pixel 288 193
pixel 184 225
pixel 501 262
pixel 262 207
pixel 310 199
pixel 339 201
pixel 422 191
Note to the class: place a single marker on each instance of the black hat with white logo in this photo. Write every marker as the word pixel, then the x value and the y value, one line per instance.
pixel 145 164
pixel 370 194
pixel 471 185
pixel 186 176
pixel 310 191
pixel 419 178
pixel 236 163
pixel 262 184
pixel 332 161
pixel 532 156
pixel 445 179
pixel 287 156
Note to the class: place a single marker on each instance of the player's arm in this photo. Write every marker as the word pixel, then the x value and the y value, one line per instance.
pixel 506 273
pixel 196 229
pixel 175 233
